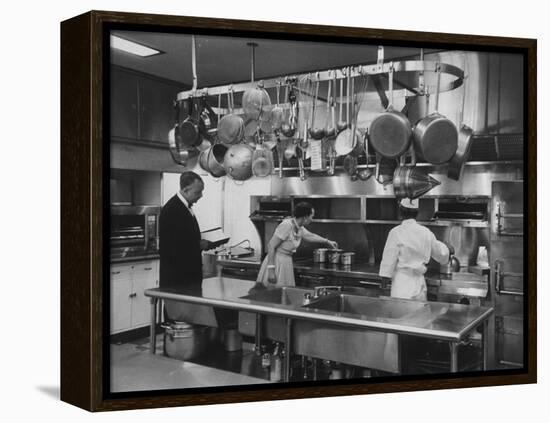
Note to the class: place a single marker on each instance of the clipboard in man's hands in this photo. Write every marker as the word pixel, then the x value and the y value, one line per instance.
pixel 215 236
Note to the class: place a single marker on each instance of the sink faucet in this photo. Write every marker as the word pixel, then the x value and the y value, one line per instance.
pixel 325 290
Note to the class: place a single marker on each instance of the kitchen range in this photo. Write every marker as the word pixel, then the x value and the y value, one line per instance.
pixel 353 133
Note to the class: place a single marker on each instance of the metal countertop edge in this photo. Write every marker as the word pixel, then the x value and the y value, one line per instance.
pixel 316 315
pixel 476 322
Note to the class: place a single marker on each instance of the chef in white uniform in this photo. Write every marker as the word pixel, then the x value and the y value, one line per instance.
pixel 407 252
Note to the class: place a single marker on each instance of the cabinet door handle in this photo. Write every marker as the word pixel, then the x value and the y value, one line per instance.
pixel 133 295
pixel 115 273
pixel 147 268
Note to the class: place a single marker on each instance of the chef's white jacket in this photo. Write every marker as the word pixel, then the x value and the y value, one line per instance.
pixel 407 252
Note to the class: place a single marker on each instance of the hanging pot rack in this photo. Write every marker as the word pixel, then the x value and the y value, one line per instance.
pixel 379 70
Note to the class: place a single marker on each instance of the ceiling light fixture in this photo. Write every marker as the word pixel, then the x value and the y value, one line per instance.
pixel 133 47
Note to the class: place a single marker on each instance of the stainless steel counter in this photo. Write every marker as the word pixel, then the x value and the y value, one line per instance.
pixel 444 321
pixel 474 285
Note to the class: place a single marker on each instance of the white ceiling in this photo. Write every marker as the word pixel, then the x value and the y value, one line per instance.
pixel 225 60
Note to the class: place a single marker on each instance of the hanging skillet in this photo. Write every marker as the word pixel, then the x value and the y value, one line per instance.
pixel 464 145
pixel 187 132
pixel 390 132
pixel 435 136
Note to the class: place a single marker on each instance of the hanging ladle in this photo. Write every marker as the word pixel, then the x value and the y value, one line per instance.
pixel 330 131
pixel 289 128
pixel 341 125
pixel 315 132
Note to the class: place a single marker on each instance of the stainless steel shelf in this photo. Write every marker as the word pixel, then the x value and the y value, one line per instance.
pixel 430 165
pixel 466 223
pixel 338 221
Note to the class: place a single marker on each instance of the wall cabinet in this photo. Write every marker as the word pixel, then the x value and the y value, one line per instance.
pixel 124 104
pixel 130 308
pixel 141 106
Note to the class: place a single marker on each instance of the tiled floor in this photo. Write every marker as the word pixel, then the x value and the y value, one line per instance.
pixel 133 368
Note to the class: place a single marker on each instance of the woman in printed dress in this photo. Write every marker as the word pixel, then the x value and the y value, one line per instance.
pixel 277 267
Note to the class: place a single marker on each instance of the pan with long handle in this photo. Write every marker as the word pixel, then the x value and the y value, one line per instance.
pixel 435 137
pixel 464 145
pixel 390 132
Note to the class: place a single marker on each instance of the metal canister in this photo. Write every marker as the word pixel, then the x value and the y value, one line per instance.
pixel 333 256
pixel 347 258
pixel 320 255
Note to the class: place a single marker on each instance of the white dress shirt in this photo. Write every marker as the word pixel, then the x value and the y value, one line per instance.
pixel 186 203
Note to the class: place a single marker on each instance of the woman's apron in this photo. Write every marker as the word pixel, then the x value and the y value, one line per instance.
pixel 284 266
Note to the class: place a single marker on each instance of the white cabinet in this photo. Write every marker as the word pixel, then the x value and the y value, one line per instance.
pixel 130 308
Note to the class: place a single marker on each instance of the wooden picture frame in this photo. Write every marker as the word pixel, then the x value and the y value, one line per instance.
pixel 85 155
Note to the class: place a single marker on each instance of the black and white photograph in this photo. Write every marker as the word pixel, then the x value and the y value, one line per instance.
pixel 309 212
pixel 301 211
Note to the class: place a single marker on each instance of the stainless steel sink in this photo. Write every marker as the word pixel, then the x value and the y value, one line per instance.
pixel 368 307
pixel 335 342
pixel 286 295
pixel 273 327
pixel 359 347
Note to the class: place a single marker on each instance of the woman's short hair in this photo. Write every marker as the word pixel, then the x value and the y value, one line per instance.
pixel 303 209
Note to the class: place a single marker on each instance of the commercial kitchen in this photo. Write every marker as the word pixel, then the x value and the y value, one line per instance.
pixel 352 130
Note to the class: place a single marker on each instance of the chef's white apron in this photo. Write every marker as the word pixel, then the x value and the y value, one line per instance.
pixel 409 284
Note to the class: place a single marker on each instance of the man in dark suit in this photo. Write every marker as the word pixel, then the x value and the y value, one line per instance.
pixel 180 238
